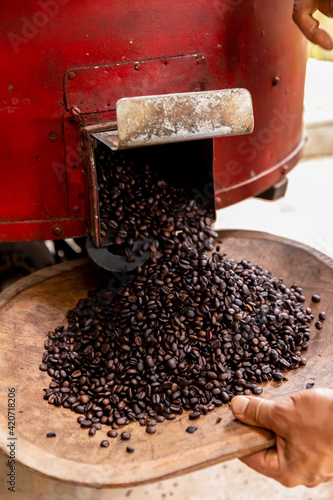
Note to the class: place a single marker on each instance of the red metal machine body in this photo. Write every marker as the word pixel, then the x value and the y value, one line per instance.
pixel 65 63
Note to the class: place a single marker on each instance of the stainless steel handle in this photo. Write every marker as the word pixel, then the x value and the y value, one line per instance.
pixel 160 119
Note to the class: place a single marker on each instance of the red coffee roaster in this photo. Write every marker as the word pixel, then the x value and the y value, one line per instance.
pixel 134 74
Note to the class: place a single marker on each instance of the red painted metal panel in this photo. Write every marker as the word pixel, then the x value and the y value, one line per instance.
pixel 55 229
pixel 270 61
pixel 245 43
pixel 99 88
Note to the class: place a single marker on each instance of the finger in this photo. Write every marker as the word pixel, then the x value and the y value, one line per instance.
pixel 310 27
pixel 265 462
pixel 258 412
pixel 309 7
pixel 311 30
pixel 326 7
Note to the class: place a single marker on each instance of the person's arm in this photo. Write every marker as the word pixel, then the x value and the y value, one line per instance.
pixel 303 17
pixel 303 425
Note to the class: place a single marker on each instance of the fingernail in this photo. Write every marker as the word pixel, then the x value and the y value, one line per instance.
pixel 239 404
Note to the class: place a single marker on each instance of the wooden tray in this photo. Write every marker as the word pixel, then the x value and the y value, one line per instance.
pixel 38 303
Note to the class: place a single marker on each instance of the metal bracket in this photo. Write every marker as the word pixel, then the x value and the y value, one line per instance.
pixel 161 119
pixel 276 191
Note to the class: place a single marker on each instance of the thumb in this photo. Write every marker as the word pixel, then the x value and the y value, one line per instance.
pixel 254 411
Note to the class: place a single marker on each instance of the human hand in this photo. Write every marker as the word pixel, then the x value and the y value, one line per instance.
pixel 303 17
pixel 303 425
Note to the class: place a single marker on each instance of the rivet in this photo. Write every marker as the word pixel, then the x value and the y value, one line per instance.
pixel 53 136
pixel 200 59
pixel 137 66
pixel 57 230
pixel 76 209
pixel 71 75
pixel 75 110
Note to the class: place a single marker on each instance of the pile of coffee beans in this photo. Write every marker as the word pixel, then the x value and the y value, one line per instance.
pixel 187 331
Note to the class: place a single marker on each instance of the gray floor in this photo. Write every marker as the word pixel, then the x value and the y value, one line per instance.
pixel 230 481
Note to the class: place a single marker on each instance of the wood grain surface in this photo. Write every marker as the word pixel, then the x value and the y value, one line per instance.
pixel 38 303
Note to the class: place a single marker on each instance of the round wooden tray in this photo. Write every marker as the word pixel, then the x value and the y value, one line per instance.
pixel 38 303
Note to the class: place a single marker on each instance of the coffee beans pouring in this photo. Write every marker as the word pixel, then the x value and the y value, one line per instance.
pixel 136 203
pixel 187 332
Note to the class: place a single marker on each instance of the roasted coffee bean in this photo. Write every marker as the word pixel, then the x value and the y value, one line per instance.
pixel 86 423
pixel 309 385
pixel 92 431
pixel 71 400
pixel 150 429
pixel 170 416
pixel 129 449
pixel 104 444
pixel 277 376
pixel 194 415
pixel 79 409
pixel 318 325
pixel 122 421
pixel 125 436
pixel 322 316
pixel 43 368
pixel 150 362
pixel 191 429
pixel 112 434
pixel 225 397
pixel 51 434
pixel 315 298
pixel 113 224
pixel 171 363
